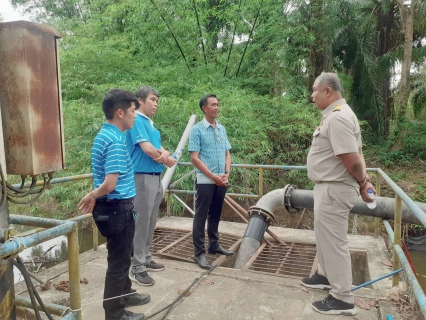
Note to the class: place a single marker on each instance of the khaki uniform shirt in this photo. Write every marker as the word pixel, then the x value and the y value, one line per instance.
pixel 338 133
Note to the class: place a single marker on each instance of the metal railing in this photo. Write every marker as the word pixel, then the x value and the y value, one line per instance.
pixel 49 229
pixel 69 227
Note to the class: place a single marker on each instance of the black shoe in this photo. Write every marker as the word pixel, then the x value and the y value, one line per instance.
pixel 136 299
pixel 331 305
pixel 221 250
pixel 317 281
pixel 202 261
pixel 132 316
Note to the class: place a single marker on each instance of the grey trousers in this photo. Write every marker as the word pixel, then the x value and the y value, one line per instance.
pixel 332 203
pixel 149 193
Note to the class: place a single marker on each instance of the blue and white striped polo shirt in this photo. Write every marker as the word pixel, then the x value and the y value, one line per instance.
pixel 109 155
pixel 212 144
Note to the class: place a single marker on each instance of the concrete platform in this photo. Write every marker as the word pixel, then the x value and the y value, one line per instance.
pixel 226 293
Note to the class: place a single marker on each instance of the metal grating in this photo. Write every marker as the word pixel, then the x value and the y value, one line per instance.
pixel 163 237
pixel 177 244
pixel 292 259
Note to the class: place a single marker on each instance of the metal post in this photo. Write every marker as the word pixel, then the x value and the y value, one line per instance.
pixel 397 237
pixel 169 207
pixel 377 220
pixel 260 183
pixel 4 219
pixel 95 235
pixel 74 270
pixel 7 298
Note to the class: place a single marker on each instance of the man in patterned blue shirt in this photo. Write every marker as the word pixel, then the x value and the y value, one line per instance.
pixel 209 148
pixel 111 203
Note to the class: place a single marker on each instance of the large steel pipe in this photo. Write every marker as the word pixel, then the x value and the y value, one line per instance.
pixel 261 215
pixel 384 209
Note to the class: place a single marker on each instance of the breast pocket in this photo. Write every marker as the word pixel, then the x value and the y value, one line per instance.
pixel 315 140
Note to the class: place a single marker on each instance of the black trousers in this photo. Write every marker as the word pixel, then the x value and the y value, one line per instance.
pixel 208 207
pixel 116 222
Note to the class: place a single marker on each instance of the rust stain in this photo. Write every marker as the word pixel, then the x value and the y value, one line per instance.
pixel 30 99
pixel 44 99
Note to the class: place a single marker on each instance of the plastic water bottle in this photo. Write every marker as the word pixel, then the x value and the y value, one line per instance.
pixel 371 205
pixel 177 154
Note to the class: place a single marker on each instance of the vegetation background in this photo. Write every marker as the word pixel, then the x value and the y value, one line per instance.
pixel 260 57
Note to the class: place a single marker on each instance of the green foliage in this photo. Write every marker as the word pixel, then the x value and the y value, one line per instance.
pixel 259 57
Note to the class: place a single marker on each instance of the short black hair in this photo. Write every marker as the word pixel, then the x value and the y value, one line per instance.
pixel 203 101
pixel 117 99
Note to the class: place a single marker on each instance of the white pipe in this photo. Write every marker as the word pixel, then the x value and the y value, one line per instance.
pixel 184 204
pixel 272 200
pixel 169 173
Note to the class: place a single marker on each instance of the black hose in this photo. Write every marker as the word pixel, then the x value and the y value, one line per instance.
pixel 3 188
pixel 181 296
pixel 27 276
pixel 38 193
pixel 18 192
pixel 29 287
pixel 22 183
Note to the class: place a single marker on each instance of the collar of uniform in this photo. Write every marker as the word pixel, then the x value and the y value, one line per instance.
pixel 149 119
pixel 111 126
pixel 330 108
pixel 207 124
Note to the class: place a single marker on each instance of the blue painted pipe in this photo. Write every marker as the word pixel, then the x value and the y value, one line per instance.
pixel 11 247
pixel 411 277
pixel 377 279
pixel 35 221
pixel 389 317
pixel 59 180
pixel 55 309
pixel 71 316
pixel 419 213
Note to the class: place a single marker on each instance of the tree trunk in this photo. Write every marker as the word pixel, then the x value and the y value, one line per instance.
pixel 407 19
pixel 320 51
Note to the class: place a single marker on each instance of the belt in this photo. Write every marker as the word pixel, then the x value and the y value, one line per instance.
pixel 329 182
pixel 149 173
pixel 116 200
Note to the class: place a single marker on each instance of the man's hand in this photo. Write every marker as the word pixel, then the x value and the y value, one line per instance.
pixel 87 204
pixel 164 155
pixel 170 162
pixel 219 180
pixel 364 192
pixel 225 178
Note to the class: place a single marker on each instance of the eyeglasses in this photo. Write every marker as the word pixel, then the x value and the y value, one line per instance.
pixel 216 133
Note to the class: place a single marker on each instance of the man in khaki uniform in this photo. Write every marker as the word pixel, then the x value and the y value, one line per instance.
pixel 336 165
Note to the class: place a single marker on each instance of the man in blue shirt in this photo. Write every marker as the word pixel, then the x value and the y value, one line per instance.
pixel 111 203
pixel 209 148
pixel 149 158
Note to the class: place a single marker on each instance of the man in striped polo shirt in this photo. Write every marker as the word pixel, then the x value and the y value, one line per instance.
pixel 111 203
pixel 148 158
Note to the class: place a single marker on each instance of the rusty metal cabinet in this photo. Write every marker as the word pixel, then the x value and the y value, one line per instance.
pixel 30 98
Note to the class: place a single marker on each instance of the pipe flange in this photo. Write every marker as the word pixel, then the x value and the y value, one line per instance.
pixel 287 196
pixel 270 217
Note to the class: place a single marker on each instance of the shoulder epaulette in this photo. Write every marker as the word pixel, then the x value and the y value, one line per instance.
pixel 337 108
